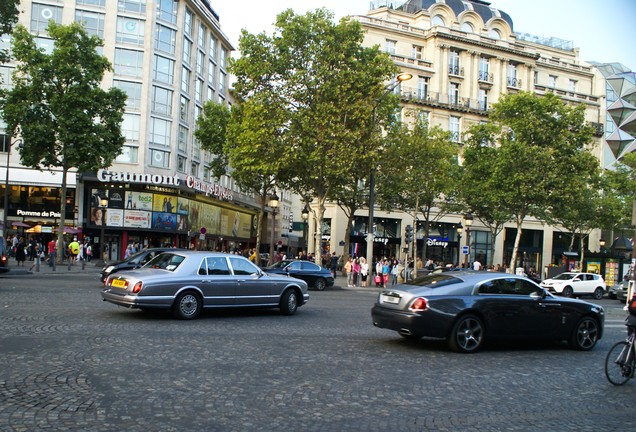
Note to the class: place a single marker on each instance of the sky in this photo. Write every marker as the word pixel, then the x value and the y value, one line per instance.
pixel 603 30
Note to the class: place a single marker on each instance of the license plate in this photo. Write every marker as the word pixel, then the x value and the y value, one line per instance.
pixel 390 299
pixel 118 283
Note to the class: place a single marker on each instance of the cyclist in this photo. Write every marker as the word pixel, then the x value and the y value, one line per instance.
pixel 630 322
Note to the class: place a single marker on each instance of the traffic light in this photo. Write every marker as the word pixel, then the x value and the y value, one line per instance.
pixel 408 235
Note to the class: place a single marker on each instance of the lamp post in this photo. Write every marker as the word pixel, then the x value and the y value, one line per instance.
pixel 103 204
pixel 601 244
pixel 460 230
pixel 273 203
pixel 305 216
pixel 468 221
pixel 387 89
pixel 5 228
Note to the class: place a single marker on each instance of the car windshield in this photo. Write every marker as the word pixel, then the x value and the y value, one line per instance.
pixel 564 276
pixel 136 257
pixel 434 280
pixel 166 261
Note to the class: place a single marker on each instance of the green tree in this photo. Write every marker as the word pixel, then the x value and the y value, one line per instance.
pixel 537 138
pixel 8 18
pixel 417 172
pixel 315 89
pixel 479 189
pixel 57 106
pixel 621 181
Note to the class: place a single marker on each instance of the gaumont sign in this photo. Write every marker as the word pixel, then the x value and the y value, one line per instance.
pixel 200 186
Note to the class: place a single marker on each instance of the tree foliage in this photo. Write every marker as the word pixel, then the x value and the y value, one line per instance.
pixel 536 151
pixel 306 96
pixel 417 171
pixel 58 108
pixel 8 18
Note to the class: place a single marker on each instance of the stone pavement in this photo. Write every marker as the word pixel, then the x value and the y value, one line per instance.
pixel 30 268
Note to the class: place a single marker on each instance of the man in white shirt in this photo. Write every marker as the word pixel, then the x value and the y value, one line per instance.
pixel 476 265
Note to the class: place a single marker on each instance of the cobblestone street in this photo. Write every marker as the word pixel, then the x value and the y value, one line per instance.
pixel 72 362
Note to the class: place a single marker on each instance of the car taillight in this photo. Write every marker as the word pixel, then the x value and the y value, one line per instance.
pixel 419 304
pixel 137 288
pixel 4 258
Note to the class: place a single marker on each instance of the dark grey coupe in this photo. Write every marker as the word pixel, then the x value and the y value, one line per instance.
pixel 467 308
pixel 188 281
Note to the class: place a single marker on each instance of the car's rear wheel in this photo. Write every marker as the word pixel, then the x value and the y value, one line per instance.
pixel 585 334
pixel 568 292
pixel 598 293
pixel 467 335
pixel 320 284
pixel 187 306
pixel 289 302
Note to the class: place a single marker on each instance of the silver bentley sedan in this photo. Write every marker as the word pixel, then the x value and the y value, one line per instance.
pixel 188 281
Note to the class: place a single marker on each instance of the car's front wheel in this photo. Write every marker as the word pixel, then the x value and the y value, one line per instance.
pixel 320 284
pixel 568 292
pixel 598 293
pixel 467 335
pixel 187 306
pixel 585 334
pixel 289 302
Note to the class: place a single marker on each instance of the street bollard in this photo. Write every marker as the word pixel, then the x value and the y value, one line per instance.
pixel 83 263
pixel 37 263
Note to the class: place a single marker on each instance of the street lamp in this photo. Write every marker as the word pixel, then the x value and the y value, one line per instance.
pixel 273 203
pixel 460 230
pixel 103 204
pixel 305 216
pixel 5 228
pixel 468 221
pixel 601 243
pixel 387 89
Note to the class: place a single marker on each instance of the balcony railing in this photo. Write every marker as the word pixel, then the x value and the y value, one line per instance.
pixel 443 99
pixel 484 76
pixel 455 70
pixel 514 82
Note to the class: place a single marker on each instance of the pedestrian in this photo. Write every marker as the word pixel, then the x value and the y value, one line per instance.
pixel 395 271
pixel 52 252
pixel 630 322
pixel 334 264
pixel 89 251
pixel 378 273
pixel 20 252
pixel 348 271
pixel 364 271
pixel 386 270
pixel 73 249
pixel 355 268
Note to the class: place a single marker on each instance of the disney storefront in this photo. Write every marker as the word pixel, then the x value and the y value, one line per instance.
pixel 156 210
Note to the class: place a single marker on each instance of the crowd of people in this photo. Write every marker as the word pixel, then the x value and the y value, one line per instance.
pixel 37 249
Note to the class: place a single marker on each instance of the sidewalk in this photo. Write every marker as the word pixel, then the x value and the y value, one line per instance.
pixel 29 269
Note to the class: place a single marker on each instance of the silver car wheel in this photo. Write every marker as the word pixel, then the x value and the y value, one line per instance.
pixel 467 335
pixel 289 302
pixel 187 306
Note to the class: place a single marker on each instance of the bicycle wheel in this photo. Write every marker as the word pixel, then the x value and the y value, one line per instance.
pixel 618 368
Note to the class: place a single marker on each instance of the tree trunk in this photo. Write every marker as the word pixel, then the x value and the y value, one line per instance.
pixel 60 232
pixel 515 249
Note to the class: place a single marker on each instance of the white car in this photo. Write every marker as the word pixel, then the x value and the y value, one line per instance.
pixel 570 284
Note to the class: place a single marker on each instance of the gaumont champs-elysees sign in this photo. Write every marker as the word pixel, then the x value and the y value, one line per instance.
pixel 208 189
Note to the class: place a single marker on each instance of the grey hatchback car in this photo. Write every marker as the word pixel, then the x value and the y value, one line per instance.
pixel 188 281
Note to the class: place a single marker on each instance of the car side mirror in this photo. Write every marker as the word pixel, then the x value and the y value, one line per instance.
pixel 576 280
pixel 538 295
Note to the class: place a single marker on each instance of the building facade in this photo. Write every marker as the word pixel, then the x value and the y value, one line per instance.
pixel 169 57
pixel 463 56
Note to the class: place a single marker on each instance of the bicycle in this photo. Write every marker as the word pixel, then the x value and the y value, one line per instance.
pixel 620 363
